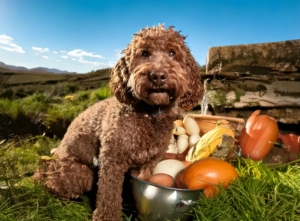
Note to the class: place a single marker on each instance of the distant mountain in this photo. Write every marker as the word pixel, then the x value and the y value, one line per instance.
pixel 38 69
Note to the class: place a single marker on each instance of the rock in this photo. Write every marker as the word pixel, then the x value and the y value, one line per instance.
pixel 259 58
pixel 258 76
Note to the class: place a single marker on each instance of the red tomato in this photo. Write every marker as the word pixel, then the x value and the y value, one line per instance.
pixel 291 142
pixel 258 136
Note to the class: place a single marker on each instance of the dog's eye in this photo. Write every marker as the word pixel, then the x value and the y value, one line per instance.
pixel 172 53
pixel 145 54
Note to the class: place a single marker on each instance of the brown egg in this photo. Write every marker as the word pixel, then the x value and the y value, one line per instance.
pixel 178 123
pixel 162 179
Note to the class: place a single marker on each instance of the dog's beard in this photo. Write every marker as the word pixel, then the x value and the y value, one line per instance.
pixel 164 95
pixel 159 98
pixel 154 98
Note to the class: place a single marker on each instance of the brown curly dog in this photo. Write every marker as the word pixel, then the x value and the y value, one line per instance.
pixel 155 79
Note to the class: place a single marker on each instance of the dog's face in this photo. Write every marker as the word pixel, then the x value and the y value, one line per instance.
pixel 158 69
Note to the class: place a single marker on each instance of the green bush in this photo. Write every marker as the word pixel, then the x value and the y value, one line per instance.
pixel 101 94
pixel 10 108
pixel 83 95
pixel 47 106
pixel 70 88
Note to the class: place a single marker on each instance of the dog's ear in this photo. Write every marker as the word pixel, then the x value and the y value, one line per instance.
pixel 119 77
pixel 194 94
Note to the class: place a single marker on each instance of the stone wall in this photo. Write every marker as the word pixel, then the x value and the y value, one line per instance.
pixel 244 78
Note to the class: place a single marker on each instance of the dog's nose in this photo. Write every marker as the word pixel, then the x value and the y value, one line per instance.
pixel 158 78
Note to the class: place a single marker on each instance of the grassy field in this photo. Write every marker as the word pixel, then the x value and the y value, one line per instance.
pixel 21 84
pixel 260 193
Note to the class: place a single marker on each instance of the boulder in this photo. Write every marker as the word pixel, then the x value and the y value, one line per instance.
pixel 243 78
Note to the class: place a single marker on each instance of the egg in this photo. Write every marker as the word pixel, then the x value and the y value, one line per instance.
pixel 193 139
pixel 178 130
pixel 172 140
pixel 182 143
pixel 172 148
pixel 162 179
pixel 178 123
pixel 170 167
pixel 191 126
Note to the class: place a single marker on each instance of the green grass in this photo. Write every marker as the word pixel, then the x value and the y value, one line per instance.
pixel 23 200
pixel 69 109
pixel 260 193
pixel 48 108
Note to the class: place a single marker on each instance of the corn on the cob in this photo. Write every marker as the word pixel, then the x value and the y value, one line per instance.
pixel 208 143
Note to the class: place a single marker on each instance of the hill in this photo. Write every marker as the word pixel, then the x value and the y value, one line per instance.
pixel 6 67
pixel 23 83
pixel 17 81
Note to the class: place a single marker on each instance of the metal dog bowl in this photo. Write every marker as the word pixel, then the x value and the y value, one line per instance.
pixel 161 203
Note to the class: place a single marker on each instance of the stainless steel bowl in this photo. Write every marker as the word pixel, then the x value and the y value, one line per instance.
pixel 155 203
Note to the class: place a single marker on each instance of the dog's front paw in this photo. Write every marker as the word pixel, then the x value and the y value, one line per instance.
pixel 99 215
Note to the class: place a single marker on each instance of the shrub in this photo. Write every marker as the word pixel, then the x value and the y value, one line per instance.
pixel 10 108
pixel 70 87
pixel 101 94
pixel 83 95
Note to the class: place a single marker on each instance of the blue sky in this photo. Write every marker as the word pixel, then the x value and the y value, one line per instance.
pixel 86 35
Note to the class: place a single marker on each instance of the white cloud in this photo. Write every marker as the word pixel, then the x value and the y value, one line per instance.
pixel 46 57
pixel 41 50
pixel 80 54
pixel 62 51
pixel 55 52
pixel 4 39
pixel 57 60
pixel 95 63
pixel 64 57
pixel 9 45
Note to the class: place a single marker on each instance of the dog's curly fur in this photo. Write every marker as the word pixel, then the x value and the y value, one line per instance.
pixel 155 79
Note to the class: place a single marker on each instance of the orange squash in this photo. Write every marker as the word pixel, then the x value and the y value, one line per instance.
pixel 208 174
pixel 258 136
pixel 179 184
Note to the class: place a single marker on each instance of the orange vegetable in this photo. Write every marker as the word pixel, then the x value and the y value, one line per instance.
pixel 291 142
pixel 258 136
pixel 179 184
pixel 208 174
